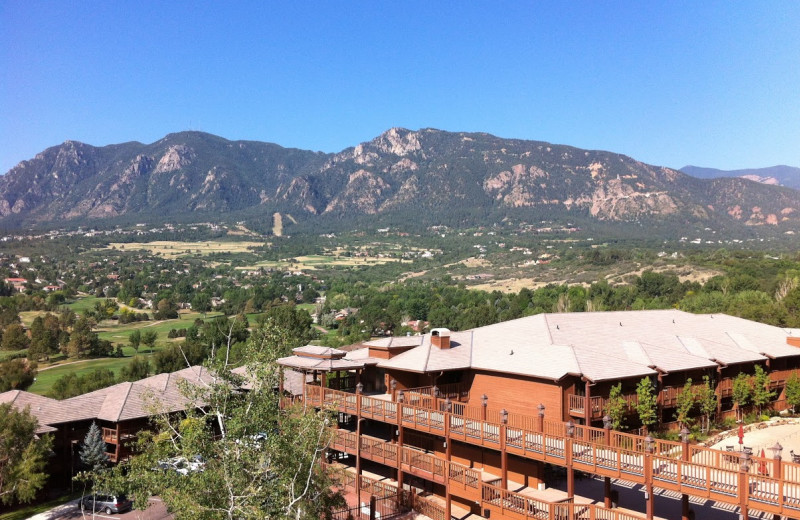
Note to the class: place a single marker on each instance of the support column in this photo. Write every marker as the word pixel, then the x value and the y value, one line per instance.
pixel 607 502
pixel 648 477
pixel 400 399
pixel 685 511
pixel 718 392
pixel 448 455
pixel 777 471
pixel 744 490
pixel 503 451
pixel 660 397
pixel 359 389
pixel 587 404
pixel 568 459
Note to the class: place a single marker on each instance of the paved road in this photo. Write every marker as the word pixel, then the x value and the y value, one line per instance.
pixel 72 511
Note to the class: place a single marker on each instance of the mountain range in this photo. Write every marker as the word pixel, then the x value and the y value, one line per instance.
pixel 426 177
pixel 778 175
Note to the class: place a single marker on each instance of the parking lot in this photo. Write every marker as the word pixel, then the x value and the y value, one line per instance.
pixel 155 511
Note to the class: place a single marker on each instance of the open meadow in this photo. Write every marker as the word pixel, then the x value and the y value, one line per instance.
pixel 175 249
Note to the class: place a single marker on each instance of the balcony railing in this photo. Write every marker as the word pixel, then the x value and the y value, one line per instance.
pixel 505 503
pixel 669 394
pixel 112 436
pixel 599 405
pixel 701 472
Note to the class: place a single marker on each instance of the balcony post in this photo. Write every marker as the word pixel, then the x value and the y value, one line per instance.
pixel 503 451
pixel 607 480
pixel 400 398
pixel 570 428
pixel 118 447
pixel 648 477
pixel 448 456
pixel 777 472
pixel 685 512
pixel 718 392
pixel 587 405
pixel 744 490
pixel 359 389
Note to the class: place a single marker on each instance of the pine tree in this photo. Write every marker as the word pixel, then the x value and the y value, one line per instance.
pixel 93 450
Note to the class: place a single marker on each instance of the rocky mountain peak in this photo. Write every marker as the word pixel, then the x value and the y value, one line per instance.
pixel 397 141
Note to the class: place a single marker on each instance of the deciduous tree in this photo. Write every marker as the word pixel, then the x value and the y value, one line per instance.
pixel 617 407
pixel 646 403
pixel 23 456
pixel 276 476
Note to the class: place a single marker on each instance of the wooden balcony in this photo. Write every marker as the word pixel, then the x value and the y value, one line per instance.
pixel 669 394
pixel 599 405
pixel 701 472
pixel 117 436
pixel 502 503
pixel 725 387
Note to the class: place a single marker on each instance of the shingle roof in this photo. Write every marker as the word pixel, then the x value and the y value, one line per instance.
pixel 325 365
pixel 428 358
pixel 121 402
pixel 603 345
pixel 39 406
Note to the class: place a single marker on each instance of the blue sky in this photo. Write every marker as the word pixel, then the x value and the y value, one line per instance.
pixel 669 83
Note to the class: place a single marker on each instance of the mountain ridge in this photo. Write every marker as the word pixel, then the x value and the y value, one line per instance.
pixel 427 175
pixel 781 174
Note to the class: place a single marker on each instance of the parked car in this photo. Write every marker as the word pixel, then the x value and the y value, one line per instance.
pixel 181 465
pixel 106 503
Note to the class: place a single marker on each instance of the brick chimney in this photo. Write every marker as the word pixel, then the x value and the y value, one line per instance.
pixel 440 338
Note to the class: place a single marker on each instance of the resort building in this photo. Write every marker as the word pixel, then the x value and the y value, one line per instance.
pixel 121 411
pixel 476 419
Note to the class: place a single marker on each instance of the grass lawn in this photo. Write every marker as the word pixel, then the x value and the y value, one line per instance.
pixel 10 354
pixel 46 379
pixel 118 333
pixel 81 304
pixel 27 511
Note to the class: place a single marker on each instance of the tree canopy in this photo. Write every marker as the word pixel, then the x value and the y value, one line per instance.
pixel 259 461
pixel 23 456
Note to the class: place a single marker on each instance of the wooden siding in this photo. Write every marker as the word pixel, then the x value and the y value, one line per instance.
pixel 517 394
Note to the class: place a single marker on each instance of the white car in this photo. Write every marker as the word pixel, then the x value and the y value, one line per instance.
pixel 184 466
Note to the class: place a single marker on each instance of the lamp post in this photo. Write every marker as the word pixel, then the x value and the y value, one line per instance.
pixel 503 451
pixel 744 468
pixel 541 417
pixel 685 513
pixel 570 429
pixel 649 444
pixel 777 469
